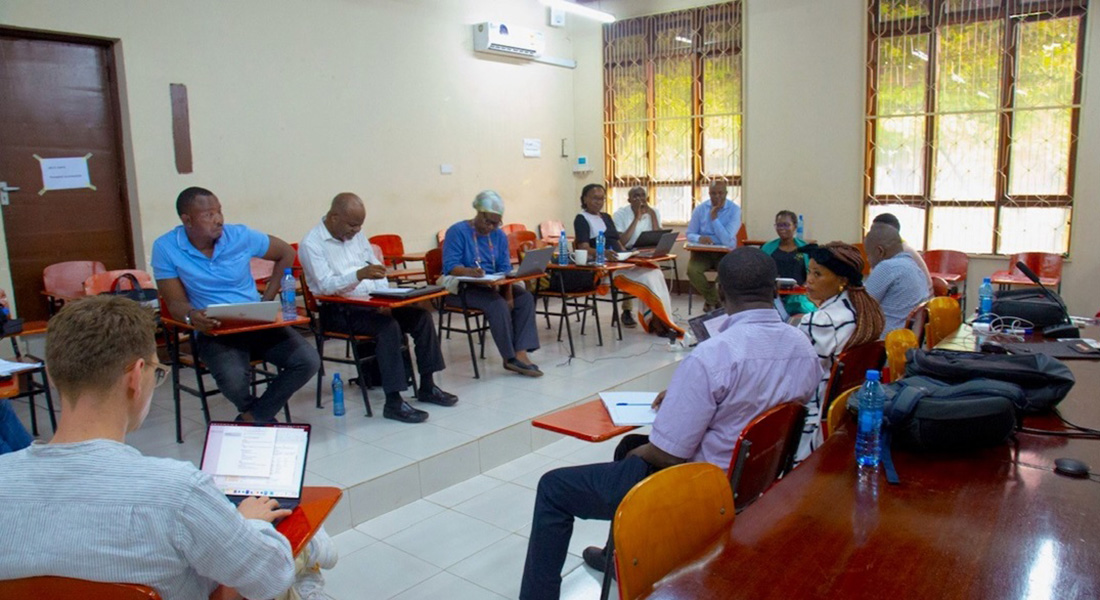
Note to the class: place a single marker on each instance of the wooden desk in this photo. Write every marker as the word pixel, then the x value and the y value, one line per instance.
pixel 1004 280
pixel 996 524
pixel 589 422
pixel 299 527
pixel 948 277
pixel 237 328
pixel 378 302
pixel 413 256
pixel 707 248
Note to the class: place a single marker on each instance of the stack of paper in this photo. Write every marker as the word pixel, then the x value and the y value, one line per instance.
pixel 630 408
pixel 482 279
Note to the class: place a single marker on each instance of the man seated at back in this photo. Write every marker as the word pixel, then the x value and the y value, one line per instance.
pixel 756 362
pixel 339 261
pixel 891 220
pixel 896 280
pixel 715 221
pixel 204 262
pixel 88 506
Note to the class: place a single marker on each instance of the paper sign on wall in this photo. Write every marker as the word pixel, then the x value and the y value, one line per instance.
pixel 532 147
pixel 68 173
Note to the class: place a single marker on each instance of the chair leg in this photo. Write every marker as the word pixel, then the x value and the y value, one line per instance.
pixel 568 328
pixel 609 566
pixel 470 341
pixel 33 408
pixel 596 318
pixel 320 372
pixel 49 399
pixel 362 378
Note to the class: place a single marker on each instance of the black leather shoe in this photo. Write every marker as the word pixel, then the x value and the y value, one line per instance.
pixel 628 320
pixel 437 396
pixel 526 369
pixel 404 413
pixel 595 558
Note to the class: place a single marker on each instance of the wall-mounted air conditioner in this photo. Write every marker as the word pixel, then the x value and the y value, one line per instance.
pixel 499 38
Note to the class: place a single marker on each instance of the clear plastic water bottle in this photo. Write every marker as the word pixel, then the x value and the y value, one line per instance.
pixel 337 395
pixel 600 247
pixel 985 301
pixel 800 229
pixel 286 296
pixel 563 250
pixel 871 398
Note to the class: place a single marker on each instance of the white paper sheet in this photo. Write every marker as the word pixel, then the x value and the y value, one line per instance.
pixel 630 408
pixel 482 279
pixel 65 173
pixel 8 367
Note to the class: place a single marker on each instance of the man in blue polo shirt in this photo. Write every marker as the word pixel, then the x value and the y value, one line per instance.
pixel 204 262
pixel 716 222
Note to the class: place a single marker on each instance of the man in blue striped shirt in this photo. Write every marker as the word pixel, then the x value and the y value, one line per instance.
pixel 896 280
pixel 88 506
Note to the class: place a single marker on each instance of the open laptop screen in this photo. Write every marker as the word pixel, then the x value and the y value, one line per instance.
pixel 257 459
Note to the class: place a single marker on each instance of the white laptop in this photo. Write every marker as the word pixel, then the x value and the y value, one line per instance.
pixel 244 313
pixel 257 459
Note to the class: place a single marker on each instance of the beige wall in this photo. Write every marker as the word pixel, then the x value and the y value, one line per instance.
pixel 292 102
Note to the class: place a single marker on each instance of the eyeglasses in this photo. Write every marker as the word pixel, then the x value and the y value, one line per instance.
pixel 160 372
pixel 783 225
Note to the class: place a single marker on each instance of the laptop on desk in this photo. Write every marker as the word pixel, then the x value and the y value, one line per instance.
pixel 650 239
pixel 661 249
pixel 534 261
pixel 244 313
pixel 257 459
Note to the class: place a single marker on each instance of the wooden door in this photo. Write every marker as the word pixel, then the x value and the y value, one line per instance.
pixel 58 99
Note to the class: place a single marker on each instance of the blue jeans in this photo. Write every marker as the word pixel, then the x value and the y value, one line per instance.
pixel 588 492
pixel 13 436
pixel 228 357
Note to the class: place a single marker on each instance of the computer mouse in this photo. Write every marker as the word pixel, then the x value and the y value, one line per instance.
pixel 1071 467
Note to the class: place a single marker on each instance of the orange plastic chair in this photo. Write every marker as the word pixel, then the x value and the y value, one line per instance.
pixel 1046 265
pixel 67 588
pixel 65 280
pixel 949 262
pixel 473 319
pixel 850 368
pixel 105 282
pixel 764 451
pixel 944 317
pixel 518 239
pixel 666 519
pixel 551 229
pixel 898 342
pixel 866 261
pixel 392 248
pixel 513 227
pixel 838 412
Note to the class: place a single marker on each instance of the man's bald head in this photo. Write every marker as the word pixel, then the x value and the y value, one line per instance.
pixel 345 216
pixel 881 242
pixel 345 201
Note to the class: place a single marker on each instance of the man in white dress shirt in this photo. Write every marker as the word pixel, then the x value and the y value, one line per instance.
pixel 632 220
pixel 339 261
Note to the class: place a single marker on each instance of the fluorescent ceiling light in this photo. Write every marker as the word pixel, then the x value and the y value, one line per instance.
pixel 582 11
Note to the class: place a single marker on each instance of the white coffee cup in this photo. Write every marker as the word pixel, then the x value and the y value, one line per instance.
pixel 579 257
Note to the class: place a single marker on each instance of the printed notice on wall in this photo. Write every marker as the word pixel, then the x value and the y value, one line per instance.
pixel 67 173
pixel 532 147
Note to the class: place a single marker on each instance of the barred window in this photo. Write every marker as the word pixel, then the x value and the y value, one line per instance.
pixel 972 109
pixel 672 106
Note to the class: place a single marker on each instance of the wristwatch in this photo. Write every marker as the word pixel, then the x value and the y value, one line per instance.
pixel 187 317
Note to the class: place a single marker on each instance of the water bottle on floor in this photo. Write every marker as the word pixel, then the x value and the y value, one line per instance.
pixel 337 395
pixel 871 398
pixel 563 250
pixel 286 296
pixel 601 246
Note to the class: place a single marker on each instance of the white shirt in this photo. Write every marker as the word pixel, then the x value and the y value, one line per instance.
pixel 330 264
pixel 625 216
pixel 595 224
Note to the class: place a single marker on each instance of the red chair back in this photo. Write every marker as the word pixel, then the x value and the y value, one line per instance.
pixel 66 279
pixel 940 287
pixel 551 229
pixel 261 268
pixel 391 245
pixel 517 239
pixel 742 235
pixel 947 261
pixel 866 261
pixel 1045 264
pixel 512 228
pixel 439 237
pixel 764 451
pixel 104 282
pixel 850 369
pixel 433 265
pixel 66 588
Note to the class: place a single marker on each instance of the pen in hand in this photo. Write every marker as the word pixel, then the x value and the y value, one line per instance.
pixel 633 404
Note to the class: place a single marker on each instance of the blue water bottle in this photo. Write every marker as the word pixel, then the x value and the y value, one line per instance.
pixel 337 395
pixel 985 301
pixel 563 250
pixel 800 230
pixel 871 398
pixel 600 247
pixel 286 296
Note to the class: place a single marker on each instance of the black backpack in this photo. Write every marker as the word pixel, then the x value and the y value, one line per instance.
pixel 1044 380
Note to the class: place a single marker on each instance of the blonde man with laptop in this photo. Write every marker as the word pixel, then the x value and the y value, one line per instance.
pixel 88 506
pixel 205 261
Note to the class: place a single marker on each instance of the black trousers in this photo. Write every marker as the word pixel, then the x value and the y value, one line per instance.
pixel 388 331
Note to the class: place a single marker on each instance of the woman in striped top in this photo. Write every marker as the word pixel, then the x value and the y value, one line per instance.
pixel 846 316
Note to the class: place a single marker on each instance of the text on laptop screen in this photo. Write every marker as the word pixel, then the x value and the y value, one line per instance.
pixel 256 461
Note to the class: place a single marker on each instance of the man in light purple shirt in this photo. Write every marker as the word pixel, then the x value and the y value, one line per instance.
pixel 756 362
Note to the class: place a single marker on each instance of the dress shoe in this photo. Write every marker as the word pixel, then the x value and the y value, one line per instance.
pixel 628 320
pixel 437 396
pixel 595 557
pixel 527 369
pixel 404 413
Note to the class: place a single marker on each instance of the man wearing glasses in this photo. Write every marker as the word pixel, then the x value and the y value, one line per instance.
pixel 88 506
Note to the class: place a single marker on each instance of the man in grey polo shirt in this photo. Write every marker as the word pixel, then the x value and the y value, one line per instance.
pixel 896 280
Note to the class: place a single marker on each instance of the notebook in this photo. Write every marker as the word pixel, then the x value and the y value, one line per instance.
pixel 257 459
pixel 407 292
pixel 649 239
pixel 244 313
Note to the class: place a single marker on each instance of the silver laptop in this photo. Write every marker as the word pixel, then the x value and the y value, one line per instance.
pixel 534 261
pixel 650 239
pixel 663 246
pixel 244 313
pixel 257 459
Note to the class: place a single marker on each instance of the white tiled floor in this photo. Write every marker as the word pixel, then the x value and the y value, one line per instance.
pixel 443 509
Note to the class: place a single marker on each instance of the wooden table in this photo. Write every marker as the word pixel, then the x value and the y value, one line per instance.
pixel 1004 280
pixel 588 421
pixel 380 302
pixel 300 526
pixel 997 524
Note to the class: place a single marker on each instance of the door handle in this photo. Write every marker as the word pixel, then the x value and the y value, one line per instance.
pixel 4 189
